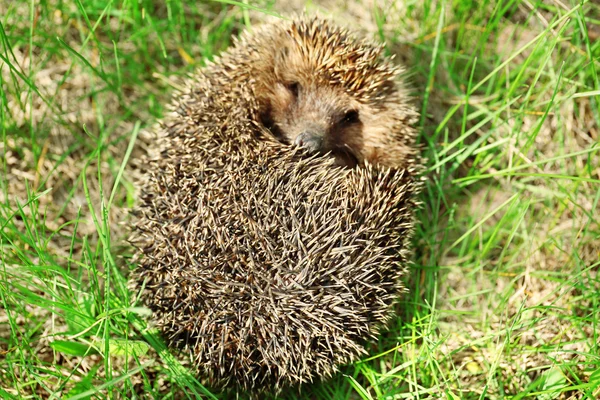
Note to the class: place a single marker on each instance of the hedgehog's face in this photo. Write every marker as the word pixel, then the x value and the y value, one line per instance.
pixel 315 116
pixel 302 109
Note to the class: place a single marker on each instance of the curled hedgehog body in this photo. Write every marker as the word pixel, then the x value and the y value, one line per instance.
pixel 269 264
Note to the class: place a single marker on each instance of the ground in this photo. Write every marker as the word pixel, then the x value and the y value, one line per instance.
pixel 504 290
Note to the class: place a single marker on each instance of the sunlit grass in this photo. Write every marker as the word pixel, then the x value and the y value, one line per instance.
pixel 504 291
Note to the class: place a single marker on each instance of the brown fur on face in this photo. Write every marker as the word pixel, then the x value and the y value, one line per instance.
pixel 303 107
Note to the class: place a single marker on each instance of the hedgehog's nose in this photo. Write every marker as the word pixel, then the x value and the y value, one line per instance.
pixel 310 141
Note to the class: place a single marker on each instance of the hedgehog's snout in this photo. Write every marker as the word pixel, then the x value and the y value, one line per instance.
pixel 310 140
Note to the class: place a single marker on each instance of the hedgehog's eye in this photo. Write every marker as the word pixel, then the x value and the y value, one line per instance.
pixel 293 87
pixel 351 117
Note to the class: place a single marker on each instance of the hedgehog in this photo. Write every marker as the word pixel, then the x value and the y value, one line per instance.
pixel 274 220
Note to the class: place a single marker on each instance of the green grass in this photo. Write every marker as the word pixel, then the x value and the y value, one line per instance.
pixel 504 293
